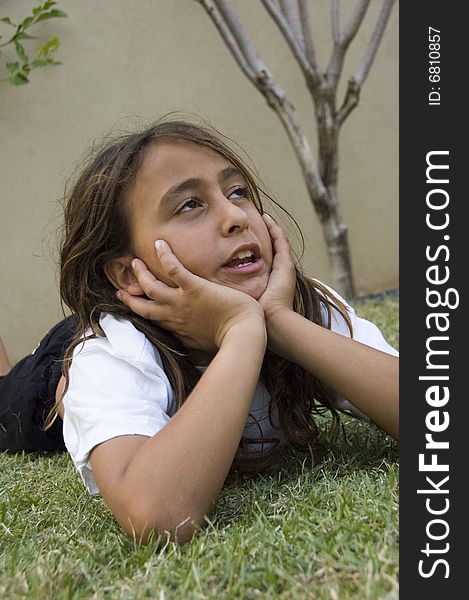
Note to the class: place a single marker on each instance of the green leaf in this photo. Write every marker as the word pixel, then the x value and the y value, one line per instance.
pixel 52 14
pixel 25 23
pixel 8 21
pixel 49 47
pixel 43 62
pixel 12 67
pixel 20 51
pixel 18 79
pixel 24 36
pixel 40 62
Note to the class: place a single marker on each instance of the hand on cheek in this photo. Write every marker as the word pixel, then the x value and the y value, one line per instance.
pixel 197 311
pixel 138 296
pixel 282 280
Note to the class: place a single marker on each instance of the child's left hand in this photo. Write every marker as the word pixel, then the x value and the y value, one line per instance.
pixel 278 296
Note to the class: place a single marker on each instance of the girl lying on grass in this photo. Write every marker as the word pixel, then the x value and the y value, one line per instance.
pixel 195 345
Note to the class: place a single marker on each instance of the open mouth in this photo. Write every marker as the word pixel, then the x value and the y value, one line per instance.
pixel 245 257
pixel 247 261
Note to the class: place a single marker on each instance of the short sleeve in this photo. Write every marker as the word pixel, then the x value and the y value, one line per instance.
pixel 110 396
pixel 364 331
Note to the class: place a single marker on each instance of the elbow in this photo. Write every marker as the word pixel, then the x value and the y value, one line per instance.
pixel 143 525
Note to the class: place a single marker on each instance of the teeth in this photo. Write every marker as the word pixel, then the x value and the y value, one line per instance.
pixel 243 254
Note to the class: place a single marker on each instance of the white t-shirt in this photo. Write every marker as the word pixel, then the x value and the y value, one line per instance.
pixel 118 387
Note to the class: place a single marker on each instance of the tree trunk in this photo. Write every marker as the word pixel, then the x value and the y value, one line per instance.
pixel 336 236
pixel 321 184
pixel 334 227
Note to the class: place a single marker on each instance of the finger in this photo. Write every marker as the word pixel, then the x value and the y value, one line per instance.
pixel 273 227
pixel 148 309
pixel 279 239
pixel 153 287
pixel 173 267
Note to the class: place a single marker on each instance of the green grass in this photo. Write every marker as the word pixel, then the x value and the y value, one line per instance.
pixel 323 532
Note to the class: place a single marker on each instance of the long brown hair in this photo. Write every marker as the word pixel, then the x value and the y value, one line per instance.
pixel 96 230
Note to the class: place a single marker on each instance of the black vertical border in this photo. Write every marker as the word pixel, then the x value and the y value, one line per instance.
pixel 425 128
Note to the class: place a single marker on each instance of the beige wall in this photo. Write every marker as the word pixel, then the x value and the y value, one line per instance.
pixel 124 61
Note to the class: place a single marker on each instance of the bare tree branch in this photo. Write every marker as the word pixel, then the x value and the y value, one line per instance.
pixel 377 34
pixel 303 151
pixel 336 64
pixel 241 46
pixel 240 35
pixel 312 77
pixel 335 21
pixel 292 17
pixel 273 8
pixel 355 22
pixel 310 52
pixel 227 21
pixel 228 37
pixel 352 97
pixel 356 82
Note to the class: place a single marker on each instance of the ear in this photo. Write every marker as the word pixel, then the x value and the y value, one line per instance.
pixel 120 274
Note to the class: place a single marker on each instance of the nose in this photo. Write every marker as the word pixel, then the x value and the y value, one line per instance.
pixel 233 218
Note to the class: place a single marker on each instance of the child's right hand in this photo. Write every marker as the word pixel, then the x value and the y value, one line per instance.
pixel 199 312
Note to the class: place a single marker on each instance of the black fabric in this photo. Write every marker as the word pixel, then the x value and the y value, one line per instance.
pixel 27 393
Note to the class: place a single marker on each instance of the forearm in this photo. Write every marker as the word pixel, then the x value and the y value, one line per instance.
pixel 179 472
pixel 366 377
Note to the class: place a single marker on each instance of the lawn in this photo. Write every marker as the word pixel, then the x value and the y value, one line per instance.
pixel 328 531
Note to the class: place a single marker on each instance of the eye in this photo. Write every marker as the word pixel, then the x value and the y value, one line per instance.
pixel 188 205
pixel 240 192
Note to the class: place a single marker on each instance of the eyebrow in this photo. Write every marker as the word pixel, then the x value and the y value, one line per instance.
pixel 197 182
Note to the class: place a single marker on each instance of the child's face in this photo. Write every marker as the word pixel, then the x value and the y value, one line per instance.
pixel 197 201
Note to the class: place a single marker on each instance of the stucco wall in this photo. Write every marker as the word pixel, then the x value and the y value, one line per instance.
pixel 127 61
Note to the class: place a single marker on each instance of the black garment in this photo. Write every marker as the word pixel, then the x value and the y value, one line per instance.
pixel 27 393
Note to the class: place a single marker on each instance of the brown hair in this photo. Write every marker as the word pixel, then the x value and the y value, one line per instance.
pixel 96 230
